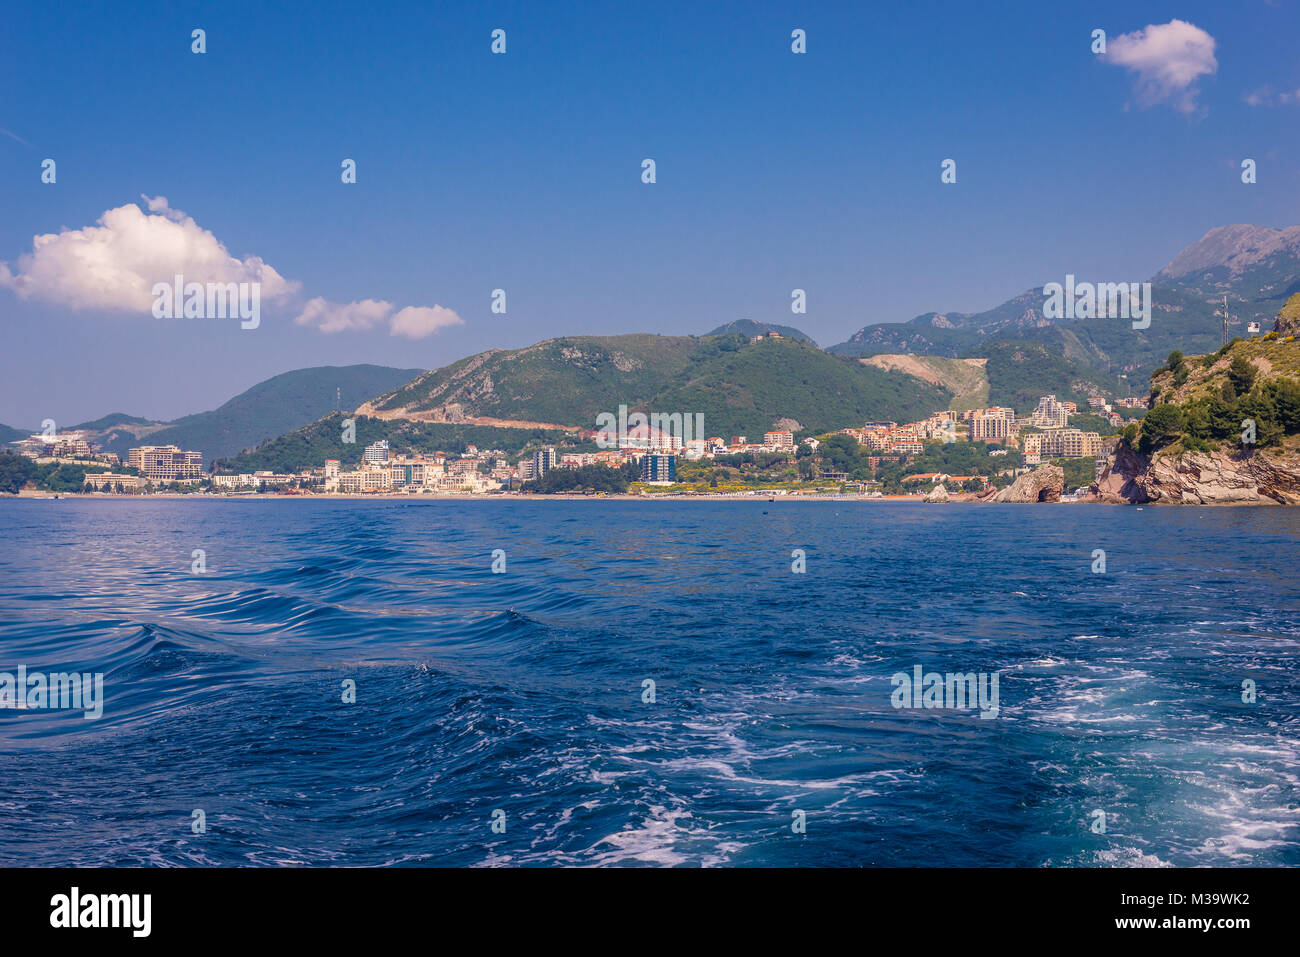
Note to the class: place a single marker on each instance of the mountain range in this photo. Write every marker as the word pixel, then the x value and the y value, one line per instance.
pixel 1008 355
pixel 741 387
pixel 272 407
pixel 1256 267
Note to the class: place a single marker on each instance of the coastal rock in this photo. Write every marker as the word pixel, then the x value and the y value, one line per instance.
pixel 1118 483
pixel 1043 484
pixel 1228 476
pixel 937 494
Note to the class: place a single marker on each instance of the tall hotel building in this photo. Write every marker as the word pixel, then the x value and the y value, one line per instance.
pixel 543 461
pixel 658 468
pixel 166 463
pixel 992 424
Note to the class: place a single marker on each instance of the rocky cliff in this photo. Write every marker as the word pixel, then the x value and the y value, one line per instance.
pixel 1228 476
pixel 1287 322
pixel 1043 484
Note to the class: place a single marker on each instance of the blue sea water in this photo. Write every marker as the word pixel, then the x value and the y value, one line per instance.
pixel 523 692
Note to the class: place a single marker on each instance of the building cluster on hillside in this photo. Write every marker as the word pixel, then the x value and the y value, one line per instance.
pixel 1043 434
pixel 890 437
pixel 654 452
pixel 67 447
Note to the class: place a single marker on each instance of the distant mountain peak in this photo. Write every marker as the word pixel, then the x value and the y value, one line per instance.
pixel 1235 248
pixel 751 327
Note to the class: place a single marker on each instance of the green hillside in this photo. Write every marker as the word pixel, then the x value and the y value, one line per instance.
pixel 311 445
pixel 9 434
pixel 567 381
pixel 744 391
pixel 111 420
pixel 1202 402
pixel 1019 372
pixel 270 408
pixel 918 337
pixel 740 387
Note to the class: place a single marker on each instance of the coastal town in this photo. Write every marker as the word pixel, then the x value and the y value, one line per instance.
pixel 655 455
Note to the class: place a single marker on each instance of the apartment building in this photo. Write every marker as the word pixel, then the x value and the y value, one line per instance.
pixel 1050 413
pixel 990 427
pixel 543 461
pixel 166 463
pixel 102 481
pixel 352 482
pixel 1076 444
pixel 242 480
pixel 1031 447
pixel 1059 443
pixel 71 447
pixel 659 468
pixel 414 471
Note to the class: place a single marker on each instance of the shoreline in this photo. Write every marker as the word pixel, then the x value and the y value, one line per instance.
pixel 763 497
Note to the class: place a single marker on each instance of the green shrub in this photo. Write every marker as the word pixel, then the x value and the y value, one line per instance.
pixel 1241 373
pixel 1162 425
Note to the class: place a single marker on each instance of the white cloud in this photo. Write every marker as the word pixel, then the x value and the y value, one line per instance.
pixel 338 317
pixel 113 265
pixel 413 322
pixel 1169 59
pixel 1265 96
pixel 416 322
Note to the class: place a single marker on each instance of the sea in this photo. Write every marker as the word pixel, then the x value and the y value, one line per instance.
pixel 650 683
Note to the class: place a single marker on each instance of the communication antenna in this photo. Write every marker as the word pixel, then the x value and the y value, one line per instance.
pixel 1227 320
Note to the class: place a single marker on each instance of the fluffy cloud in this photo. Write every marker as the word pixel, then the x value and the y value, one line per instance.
pixel 338 317
pixel 114 264
pixel 416 322
pixel 1168 59
pixel 413 322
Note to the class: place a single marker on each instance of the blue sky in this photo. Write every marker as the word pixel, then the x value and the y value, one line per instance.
pixel 522 171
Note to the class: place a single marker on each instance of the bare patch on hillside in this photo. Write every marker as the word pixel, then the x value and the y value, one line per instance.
pixel 965 378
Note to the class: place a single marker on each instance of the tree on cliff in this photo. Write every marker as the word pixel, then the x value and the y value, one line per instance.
pixel 1160 426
